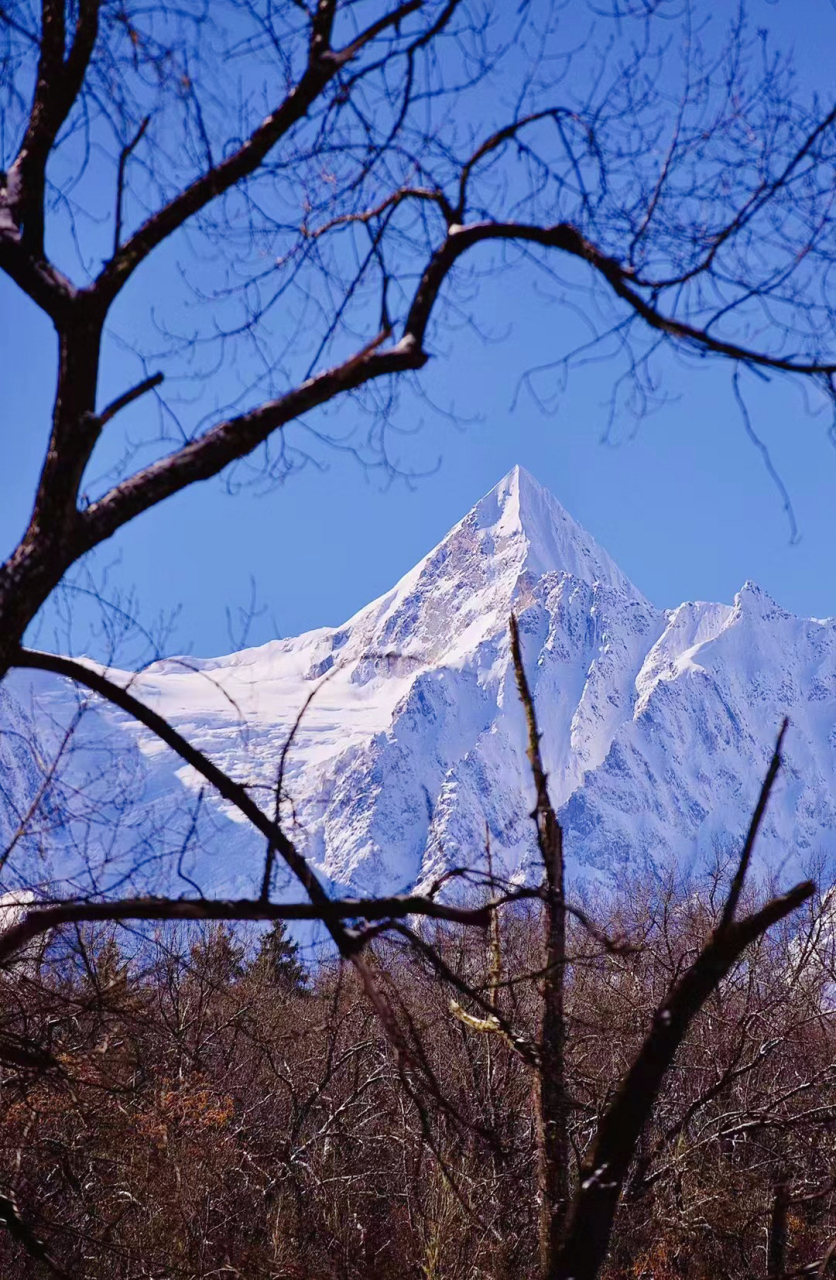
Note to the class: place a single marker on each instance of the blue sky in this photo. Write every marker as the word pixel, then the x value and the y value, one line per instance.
pixel 681 501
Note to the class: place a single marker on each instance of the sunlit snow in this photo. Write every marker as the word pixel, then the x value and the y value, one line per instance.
pixel 657 725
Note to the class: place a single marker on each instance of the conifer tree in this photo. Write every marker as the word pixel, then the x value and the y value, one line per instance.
pixel 277 959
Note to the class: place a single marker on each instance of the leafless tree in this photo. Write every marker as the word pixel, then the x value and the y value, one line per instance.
pixel 347 184
pixel 175 1093
pixel 341 182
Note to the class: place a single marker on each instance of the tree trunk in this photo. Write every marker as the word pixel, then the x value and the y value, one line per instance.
pixel 550 1107
pixel 52 541
pixel 777 1244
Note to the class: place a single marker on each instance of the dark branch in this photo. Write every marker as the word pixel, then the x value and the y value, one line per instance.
pixel 40 920
pixel 128 397
pixel 208 455
pixel 754 827
pixel 44 284
pixel 124 156
pixel 323 64
pixel 605 1167
pixel 550 1100
pixel 57 86
pixel 566 238
pixel 231 791
pixel 26 1237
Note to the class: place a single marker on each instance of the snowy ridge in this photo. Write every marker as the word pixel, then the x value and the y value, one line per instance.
pixel 657 725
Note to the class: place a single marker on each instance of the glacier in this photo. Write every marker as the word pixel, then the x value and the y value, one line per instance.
pixel 407 741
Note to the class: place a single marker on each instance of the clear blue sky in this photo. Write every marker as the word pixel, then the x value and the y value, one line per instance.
pixel 683 505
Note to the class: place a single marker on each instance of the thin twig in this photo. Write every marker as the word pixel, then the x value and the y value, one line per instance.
pixel 754 827
pixel 124 154
pixel 128 397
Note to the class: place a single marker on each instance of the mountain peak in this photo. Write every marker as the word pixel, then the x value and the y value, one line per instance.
pixel 463 590
pixel 658 726
pixel 519 507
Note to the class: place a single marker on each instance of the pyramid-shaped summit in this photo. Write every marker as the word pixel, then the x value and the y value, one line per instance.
pixel 657 725
pixel 521 510
pixel 462 592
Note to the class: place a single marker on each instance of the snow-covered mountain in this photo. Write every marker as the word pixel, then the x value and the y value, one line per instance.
pixel 657 725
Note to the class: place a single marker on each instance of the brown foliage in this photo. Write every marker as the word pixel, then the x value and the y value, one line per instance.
pixel 202 1119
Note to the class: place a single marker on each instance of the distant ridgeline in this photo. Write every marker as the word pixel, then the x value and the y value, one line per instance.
pixel 657 728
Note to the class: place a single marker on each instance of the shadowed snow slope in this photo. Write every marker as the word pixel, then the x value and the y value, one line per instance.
pixel 657 726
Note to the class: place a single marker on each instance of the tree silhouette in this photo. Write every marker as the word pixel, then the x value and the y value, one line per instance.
pixel 277 959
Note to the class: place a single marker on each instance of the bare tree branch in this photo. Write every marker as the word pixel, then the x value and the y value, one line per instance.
pixel 128 397
pixel 754 827
pixel 20 1231
pixel 58 83
pixel 211 453
pixel 38 920
pixel 124 156
pixel 550 1101
pixel 230 790
pixel 606 1164
pixel 323 64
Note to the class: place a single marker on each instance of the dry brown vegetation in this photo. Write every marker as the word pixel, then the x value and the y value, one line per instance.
pixel 506 1086
pixel 185 1107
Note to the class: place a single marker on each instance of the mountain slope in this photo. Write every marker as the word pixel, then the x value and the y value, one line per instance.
pixel 657 725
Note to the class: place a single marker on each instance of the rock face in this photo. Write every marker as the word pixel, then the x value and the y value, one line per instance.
pixel 657 725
